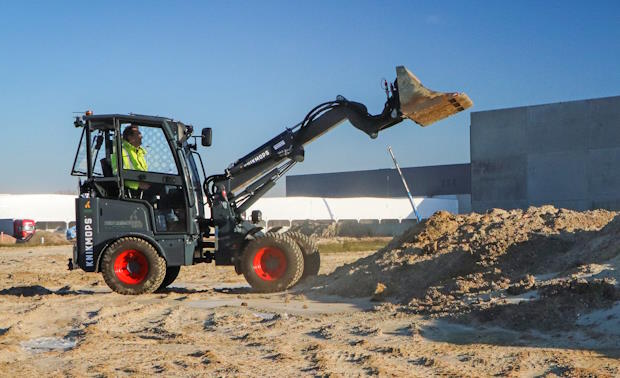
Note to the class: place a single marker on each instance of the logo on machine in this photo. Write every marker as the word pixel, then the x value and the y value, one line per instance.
pixel 279 145
pixel 88 242
pixel 87 205
pixel 257 158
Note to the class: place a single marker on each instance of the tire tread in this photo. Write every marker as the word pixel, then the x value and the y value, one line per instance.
pixel 109 276
pixel 312 257
pixel 269 286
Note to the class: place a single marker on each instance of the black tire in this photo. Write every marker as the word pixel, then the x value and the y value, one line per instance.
pixel 312 257
pixel 272 263
pixel 172 272
pixel 127 254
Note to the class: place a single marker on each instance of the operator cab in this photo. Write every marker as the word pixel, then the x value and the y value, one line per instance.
pixel 150 171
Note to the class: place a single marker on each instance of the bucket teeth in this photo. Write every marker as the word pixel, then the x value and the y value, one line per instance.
pixel 425 106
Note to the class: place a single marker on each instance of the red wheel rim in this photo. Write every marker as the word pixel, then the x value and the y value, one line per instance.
pixel 131 267
pixel 269 263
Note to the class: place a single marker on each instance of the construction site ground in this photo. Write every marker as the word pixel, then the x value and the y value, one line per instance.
pixel 520 293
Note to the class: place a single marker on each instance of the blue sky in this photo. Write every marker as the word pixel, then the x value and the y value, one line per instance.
pixel 249 69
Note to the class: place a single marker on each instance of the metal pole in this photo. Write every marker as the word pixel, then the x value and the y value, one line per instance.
pixel 405 184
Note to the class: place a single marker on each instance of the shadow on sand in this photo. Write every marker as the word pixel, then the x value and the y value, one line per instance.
pixel 182 290
pixel 34 290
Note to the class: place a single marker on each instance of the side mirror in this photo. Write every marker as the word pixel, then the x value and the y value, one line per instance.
pixel 257 216
pixel 207 136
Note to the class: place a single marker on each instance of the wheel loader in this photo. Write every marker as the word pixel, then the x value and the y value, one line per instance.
pixel 137 224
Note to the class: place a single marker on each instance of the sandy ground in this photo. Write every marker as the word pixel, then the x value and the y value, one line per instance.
pixel 56 322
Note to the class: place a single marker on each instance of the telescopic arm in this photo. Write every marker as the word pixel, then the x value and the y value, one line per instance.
pixel 258 171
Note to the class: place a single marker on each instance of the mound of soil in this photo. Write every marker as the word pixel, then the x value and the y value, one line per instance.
pixel 472 265
pixel 47 237
pixel 558 306
pixel 40 238
pixel 7 240
pixel 316 228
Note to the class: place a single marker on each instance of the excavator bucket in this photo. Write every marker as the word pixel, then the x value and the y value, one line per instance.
pixel 424 106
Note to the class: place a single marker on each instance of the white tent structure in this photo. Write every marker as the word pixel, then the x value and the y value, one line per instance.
pixel 57 208
pixel 315 208
pixel 39 207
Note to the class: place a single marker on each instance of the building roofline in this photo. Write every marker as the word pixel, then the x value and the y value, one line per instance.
pixel 547 104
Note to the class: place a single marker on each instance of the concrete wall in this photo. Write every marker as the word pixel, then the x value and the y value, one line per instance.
pixel 464 202
pixel 565 154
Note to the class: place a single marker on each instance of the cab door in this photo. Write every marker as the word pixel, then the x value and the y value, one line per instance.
pixel 150 173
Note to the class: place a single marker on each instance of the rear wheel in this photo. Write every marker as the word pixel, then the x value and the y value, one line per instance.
pixel 312 264
pixel 172 272
pixel 272 263
pixel 132 266
pixel 312 257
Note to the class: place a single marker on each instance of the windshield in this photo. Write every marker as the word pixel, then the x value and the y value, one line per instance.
pixel 80 164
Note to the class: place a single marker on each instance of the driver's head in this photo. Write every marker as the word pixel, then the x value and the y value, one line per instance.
pixel 133 135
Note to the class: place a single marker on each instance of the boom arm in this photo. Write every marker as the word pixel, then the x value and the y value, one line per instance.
pixel 258 171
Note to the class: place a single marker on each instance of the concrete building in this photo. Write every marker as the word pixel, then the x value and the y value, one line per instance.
pixel 442 181
pixel 564 154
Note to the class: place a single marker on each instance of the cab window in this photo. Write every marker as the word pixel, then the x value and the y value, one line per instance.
pixel 150 150
pixel 80 163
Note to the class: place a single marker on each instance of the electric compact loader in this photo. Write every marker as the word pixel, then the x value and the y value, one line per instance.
pixel 138 225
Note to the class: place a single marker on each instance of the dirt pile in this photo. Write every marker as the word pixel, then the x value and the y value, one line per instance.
pixel 319 229
pixel 480 266
pixel 7 240
pixel 47 238
pixel 341 228
pixel 40 238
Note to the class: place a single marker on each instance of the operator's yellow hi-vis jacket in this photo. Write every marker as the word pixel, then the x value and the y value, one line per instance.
pixel 134 159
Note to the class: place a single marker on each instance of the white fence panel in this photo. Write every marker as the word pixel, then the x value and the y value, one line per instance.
pixel 349 208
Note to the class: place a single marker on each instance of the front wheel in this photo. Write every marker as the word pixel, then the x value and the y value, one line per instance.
pixel 132 266
pixel 272 263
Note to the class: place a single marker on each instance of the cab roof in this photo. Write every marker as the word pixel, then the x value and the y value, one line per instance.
pixel 127 117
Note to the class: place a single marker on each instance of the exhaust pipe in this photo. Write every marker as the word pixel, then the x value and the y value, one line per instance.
pixel 424 106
